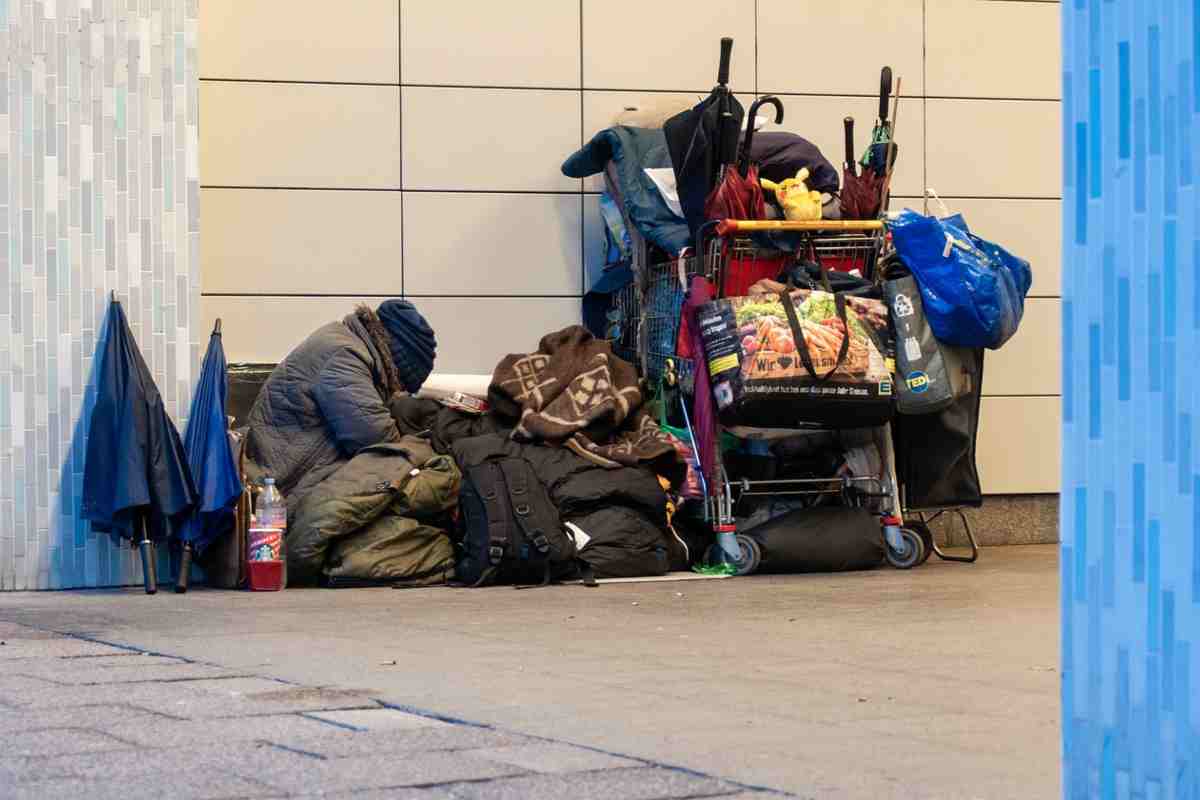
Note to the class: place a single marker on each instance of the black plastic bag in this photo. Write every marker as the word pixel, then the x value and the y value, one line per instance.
pixel 820 539
pixel 935 453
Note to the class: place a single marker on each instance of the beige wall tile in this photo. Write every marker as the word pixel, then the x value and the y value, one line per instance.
pixel 837 47
pixel 666 44
pixel 515 43
pixel 1030 363
pixel 994 148
pixel 819 119
pixel 976 49
pixel 1032 229
pixel 263 134
pixel 477 244
pixel 265 329
pixel 293 241
pixel 473 333
pixel 489 139
pixel 300 41
pixel 1018 450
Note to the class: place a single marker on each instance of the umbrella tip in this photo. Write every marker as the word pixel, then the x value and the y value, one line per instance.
pixel 217 327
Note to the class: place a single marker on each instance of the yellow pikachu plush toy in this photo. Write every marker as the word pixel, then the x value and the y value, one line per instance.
pixel 793 194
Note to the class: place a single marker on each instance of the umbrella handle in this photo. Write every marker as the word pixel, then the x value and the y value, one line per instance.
pixel 185 569
pixel 723 69
pixel 149 568
pixel 885 90
pixel 751 115
pixel 848 124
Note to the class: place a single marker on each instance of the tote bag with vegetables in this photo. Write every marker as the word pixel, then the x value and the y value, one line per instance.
pixel 800 357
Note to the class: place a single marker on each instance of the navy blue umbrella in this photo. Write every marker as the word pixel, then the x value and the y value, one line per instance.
pixel 136 479
pixel 213 466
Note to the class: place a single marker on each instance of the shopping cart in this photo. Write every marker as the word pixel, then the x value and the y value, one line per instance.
pixel 735 255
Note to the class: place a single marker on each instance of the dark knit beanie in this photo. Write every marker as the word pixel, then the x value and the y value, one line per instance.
pixel 412 342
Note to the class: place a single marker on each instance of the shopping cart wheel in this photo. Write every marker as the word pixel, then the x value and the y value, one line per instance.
pixel 912 551
pixel 926 535
pixel 749 555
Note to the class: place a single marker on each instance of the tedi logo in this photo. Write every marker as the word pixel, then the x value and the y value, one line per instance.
pixel 918 382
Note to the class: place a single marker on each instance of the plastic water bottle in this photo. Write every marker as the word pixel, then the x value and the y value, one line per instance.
pixel 272 512
pixel 265 567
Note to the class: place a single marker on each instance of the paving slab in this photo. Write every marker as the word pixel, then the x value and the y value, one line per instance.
pixel 97 717
pixel 60 741
pixel 211 759
pixel 645 783
pixel 17 649
pixel 394 743
pixel 198 786
pixel 297 774
pixel 162 732
pixel 375 719
pixel 553 757
pixel 81 673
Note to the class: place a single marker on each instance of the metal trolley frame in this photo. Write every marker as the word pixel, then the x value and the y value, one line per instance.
pixel 647 314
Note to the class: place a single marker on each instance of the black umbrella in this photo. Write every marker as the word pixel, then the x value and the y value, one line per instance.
pixel 702 140
pixel 136 480
pixel 210 457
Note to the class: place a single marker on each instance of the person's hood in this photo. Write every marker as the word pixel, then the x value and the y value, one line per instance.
pixel 365 324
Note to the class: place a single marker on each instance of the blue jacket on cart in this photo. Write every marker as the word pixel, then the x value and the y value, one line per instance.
pixel 632 150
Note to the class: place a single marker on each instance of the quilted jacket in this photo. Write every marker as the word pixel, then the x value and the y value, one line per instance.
pixel 323 403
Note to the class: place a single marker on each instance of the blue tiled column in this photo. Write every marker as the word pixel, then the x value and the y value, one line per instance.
pixel 99 193
pixel 1131 321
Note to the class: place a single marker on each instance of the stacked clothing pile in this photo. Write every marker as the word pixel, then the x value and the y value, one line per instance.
pixel 558 473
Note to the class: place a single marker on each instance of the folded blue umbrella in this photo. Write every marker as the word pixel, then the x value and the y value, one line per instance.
pixel 136 481
pixel 210 456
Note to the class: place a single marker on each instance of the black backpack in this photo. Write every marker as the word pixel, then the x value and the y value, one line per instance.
pixel 509 531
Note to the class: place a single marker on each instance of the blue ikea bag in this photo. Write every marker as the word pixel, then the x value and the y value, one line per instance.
pixel 973 290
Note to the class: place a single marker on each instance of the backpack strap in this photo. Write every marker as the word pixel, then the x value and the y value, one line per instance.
pixel 587 574
pixel 533 515
pixel 489 481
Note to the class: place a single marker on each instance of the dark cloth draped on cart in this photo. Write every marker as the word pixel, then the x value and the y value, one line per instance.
pixel 780 155
pixel 935 453
pixel 575 393
pixel 633 150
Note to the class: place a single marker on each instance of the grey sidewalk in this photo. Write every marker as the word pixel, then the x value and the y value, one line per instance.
pixel 82 718
pixel 938 683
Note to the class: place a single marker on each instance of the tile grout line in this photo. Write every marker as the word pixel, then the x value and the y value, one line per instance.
pixel 924 105
pixel 613 90
pixel 400 133
pixel 583 271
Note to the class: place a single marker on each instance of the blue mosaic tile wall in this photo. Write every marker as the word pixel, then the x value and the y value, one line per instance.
pixel 98 192
pixel 1131 345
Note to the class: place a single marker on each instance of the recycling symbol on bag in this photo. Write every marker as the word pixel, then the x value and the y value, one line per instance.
pixel 903 306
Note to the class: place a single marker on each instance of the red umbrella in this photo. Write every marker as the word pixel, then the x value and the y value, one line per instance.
pixel 737 196
pixel 860 193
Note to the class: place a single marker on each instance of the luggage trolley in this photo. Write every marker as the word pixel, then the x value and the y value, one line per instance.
pixel 844 245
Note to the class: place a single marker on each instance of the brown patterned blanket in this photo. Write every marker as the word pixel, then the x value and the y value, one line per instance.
pixel 574 392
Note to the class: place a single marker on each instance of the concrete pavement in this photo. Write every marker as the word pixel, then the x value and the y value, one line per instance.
pixel 936 683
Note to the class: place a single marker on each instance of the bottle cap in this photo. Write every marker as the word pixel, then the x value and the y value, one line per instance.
pixel 269 481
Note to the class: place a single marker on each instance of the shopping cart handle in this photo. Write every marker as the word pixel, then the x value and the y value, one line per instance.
pixel 727 226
